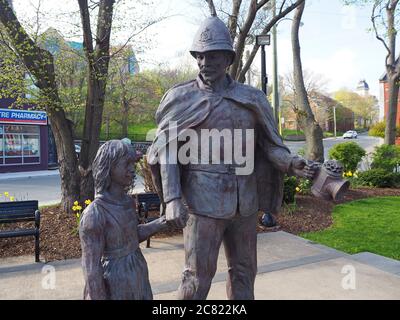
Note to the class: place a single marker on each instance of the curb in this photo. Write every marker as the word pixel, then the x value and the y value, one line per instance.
pixel 27 175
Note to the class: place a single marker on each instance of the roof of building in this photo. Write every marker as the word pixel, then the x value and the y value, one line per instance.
pixel 363 85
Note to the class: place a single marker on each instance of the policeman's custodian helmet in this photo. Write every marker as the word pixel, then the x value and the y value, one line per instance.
pixel 213 35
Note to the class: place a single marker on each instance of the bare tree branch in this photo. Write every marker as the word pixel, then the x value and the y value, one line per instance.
pixel 148 25
pixel 374 16
pixel 233 18
pixel 282 13
pixel 212 8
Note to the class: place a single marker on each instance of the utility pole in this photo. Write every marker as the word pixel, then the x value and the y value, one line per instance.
pixel 264 79
pixel 334 120
pixel 263 40
pixel 249 71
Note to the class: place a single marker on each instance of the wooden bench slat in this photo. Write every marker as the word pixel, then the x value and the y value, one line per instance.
pixel 21 211
pixel 18 233
pixel 12 219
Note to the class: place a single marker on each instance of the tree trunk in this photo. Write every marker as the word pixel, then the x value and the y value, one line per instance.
pixel 125 119
pixel 68 164
pixel 393 74
pixel 98 61
pixel 40 64
pixel 390 130
pixel 311 128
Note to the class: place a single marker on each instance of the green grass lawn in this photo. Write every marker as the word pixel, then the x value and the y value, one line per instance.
pixel 291 132
pixel 371 225
pixel 141 128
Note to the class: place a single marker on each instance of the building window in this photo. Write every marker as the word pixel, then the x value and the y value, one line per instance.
pixel 19 145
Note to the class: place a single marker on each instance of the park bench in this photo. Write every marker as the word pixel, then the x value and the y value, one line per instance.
pixel 21 211
pixel 147 202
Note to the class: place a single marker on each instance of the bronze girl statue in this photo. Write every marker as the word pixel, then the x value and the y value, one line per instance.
pixel 113 265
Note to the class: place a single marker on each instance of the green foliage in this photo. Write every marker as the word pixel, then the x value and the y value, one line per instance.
pixel 348 153
pixel 304 186
pixel 378 130
pixel 379 178
pixel 386 157
pixel 289 189
pixel 290 208
pixel 365 107
pixel 301 152
pixel 371 225
pixel 142 168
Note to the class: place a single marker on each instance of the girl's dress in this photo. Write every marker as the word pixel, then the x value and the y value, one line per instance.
pixel 113 264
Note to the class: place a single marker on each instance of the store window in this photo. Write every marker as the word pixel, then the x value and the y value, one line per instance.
pixel 1 146
pixel 20 145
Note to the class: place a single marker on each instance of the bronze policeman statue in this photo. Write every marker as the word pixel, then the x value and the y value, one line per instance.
pixel 207 188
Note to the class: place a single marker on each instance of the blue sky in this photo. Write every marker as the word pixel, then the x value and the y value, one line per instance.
pixel 335 42
pixel 334 39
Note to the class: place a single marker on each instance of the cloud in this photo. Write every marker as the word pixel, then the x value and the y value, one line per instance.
pixel 341 68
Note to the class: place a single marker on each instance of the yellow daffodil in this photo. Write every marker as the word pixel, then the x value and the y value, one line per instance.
pixel 87 202
pixel 349 174
pixel 12 198
pixel 76 203
pixel 6 194
pixel 298 189
pixel 79 208
pixel 78 215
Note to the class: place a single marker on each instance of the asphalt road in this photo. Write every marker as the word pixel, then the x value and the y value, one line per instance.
pixel 366 142
pixel 47 190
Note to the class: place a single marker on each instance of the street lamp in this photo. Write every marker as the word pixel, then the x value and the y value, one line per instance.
pixel 263 40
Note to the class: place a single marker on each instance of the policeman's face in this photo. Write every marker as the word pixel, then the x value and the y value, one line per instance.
pixel 213 65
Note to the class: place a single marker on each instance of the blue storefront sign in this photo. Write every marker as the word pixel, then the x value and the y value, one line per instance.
pixel 13 116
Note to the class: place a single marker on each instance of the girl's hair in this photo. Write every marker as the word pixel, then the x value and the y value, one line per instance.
pixel 107 155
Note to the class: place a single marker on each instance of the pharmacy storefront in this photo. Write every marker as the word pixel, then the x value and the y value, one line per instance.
pixel 23 140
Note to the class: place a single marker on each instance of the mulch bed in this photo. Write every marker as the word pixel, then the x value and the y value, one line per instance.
pixel 59 241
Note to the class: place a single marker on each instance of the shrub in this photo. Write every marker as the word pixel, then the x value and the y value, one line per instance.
pixel 379 178
pixel 378 130
pixel 289 189
pixel 143 168
pixel 348 153
pixel 304 186
pixel 386 157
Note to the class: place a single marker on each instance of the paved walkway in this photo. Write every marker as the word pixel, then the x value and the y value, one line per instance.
pixel 289 267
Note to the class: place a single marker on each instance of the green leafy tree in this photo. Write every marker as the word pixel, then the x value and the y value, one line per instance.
pixel 365 108
pixel 76 177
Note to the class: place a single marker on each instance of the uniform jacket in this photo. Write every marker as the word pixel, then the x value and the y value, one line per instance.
pixel 212 192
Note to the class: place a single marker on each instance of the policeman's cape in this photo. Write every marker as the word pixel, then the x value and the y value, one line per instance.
pixel 187 105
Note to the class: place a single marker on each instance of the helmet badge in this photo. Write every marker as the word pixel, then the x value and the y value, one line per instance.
pixel 206 35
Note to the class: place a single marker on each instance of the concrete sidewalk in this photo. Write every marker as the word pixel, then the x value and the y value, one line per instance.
pixel 289 267
pixel 29 174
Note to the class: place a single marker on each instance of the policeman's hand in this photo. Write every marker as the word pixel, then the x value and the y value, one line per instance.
pixel 176 214
pixel 303 168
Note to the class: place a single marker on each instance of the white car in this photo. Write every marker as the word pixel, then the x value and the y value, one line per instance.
pixel 351 134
